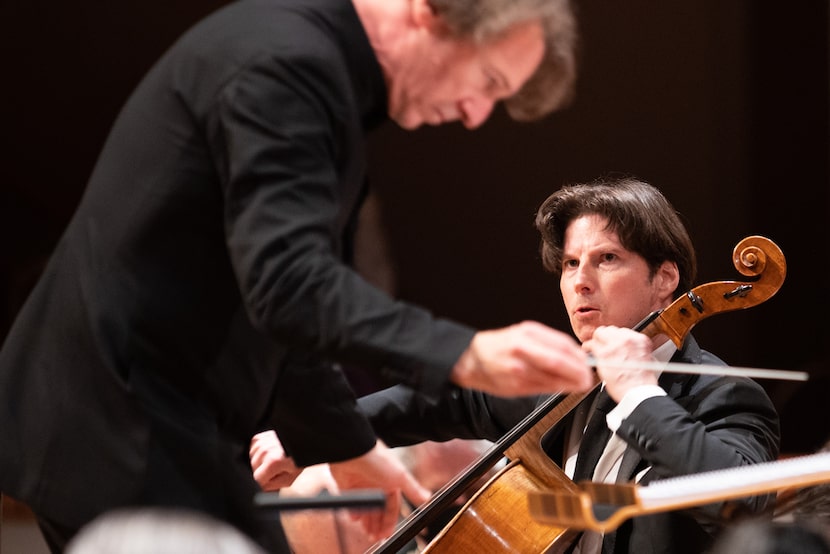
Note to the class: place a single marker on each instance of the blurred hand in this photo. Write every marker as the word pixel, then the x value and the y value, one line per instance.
pixel 523 359
pixel 609 344
pixel 273 470
pixel 379 469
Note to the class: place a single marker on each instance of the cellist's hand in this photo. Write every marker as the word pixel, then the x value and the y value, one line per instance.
pixel 523 359
pixel 610 343
pixel 379 469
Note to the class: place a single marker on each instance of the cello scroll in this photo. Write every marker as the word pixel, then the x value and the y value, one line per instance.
pixel 756 257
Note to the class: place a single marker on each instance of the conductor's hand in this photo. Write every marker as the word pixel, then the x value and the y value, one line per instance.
pixel 273 470
pixel 609 344
pixel 379 469
pixel 523 359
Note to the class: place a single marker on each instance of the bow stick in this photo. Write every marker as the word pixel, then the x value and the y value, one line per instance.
pixel 603 506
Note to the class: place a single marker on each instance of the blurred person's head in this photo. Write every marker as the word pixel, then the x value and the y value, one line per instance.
pixel 762 536
pixel 160 531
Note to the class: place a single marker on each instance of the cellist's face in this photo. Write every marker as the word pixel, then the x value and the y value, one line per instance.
pixel 603 283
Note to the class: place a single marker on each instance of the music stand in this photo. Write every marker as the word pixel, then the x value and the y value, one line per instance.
pixel 271 503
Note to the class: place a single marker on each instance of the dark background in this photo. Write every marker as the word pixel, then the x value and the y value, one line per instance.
pixel 723 105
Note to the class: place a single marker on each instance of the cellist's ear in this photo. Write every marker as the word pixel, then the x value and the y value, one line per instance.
pixel 666 279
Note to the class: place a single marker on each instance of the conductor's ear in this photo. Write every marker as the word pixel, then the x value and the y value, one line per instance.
pixel 424 16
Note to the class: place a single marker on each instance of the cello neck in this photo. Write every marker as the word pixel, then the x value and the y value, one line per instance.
pixel 527 445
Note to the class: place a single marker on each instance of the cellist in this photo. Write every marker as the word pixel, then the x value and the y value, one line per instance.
pixel 620 252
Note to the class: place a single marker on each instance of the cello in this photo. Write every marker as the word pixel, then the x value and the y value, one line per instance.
pixel 497 517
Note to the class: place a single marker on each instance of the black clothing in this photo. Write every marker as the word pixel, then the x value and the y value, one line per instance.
pixel 201 289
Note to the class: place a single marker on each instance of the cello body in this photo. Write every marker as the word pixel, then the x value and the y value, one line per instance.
pixel 497 517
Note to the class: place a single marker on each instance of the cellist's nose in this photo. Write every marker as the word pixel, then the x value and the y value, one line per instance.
pixel 583 278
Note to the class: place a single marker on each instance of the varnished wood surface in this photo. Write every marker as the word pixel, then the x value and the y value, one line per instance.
pixel 497 519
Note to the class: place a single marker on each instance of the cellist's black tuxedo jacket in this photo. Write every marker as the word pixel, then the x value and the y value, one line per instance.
pixel 704 423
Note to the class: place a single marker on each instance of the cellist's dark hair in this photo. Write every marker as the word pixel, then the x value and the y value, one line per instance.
pixel 637 212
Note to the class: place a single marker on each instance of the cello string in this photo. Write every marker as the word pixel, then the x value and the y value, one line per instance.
pixel 704 369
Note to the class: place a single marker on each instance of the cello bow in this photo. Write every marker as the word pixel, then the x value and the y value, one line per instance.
pixel 604 506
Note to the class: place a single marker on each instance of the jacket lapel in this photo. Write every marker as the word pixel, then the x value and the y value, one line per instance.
pixel 676 386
